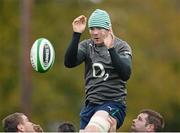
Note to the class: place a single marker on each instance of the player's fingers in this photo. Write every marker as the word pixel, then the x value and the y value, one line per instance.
pixel 85 20
pixel 112 36
pixel 81 19
pixel 111 32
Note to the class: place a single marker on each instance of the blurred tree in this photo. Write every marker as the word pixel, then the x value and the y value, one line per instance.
pixel 25 37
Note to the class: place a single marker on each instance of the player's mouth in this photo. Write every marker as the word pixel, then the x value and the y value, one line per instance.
pixel 96 39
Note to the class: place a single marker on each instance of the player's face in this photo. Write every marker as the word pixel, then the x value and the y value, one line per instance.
pixel 98 34
pixel 140 123
pixel 26 125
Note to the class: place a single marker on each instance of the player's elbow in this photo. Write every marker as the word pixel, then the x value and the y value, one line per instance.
pixel 126 77
pixel 68 65
pixel 126 74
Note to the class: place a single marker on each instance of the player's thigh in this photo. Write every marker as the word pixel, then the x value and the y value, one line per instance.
pixel 112 121
pixel 102 119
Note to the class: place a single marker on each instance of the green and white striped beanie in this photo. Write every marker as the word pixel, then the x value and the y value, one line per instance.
pixel 99 18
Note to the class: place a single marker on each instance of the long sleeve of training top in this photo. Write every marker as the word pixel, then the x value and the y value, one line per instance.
pixel 72 57
pixel 122 63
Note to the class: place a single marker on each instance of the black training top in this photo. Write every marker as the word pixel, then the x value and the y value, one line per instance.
pixel 106 70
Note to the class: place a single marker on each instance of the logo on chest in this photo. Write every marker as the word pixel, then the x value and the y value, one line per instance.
pixel 99 71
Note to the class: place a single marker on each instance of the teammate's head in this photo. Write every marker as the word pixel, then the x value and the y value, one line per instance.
pixel 66 127
pixel 148 120
pixel 17 122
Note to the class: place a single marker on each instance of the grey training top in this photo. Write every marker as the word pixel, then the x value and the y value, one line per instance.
pixel 106 70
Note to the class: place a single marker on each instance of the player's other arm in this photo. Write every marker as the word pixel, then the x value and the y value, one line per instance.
pixel 122 63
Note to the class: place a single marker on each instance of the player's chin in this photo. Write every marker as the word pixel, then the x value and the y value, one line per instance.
pixel 133 129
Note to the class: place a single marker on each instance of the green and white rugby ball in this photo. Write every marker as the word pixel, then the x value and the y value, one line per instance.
pixel 42 55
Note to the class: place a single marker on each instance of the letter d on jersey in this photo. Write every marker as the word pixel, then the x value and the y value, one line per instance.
pixel 99 71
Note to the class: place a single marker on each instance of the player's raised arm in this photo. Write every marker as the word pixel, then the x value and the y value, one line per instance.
pixel 72 56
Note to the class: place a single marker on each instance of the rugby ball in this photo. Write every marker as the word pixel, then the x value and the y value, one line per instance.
pixel 42 55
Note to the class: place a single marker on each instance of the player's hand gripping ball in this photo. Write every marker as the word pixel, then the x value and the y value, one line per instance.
pixel 42 55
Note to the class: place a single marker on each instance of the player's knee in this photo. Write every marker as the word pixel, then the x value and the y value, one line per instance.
pixel 98 124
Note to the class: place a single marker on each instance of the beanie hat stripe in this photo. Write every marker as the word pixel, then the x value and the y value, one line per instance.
pixel 99 18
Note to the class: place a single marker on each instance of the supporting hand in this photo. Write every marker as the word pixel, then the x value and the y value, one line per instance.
pixel 109 39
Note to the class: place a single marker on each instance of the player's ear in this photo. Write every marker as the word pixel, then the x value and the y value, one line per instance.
pixel 111 30
pixel 150 127
pixel 20 127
